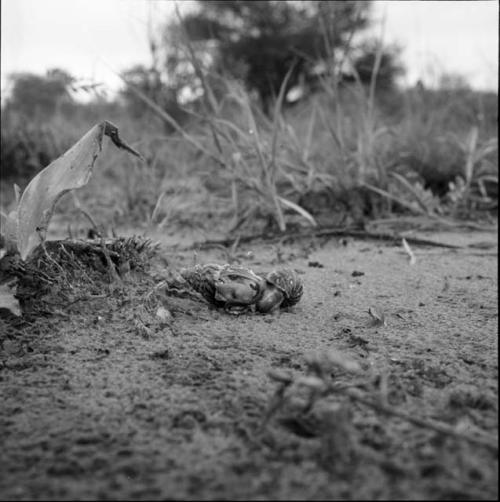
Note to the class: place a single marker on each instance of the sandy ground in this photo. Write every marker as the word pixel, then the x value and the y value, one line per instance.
pixel 94 408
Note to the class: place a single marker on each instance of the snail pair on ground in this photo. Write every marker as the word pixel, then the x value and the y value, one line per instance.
pixel 238 289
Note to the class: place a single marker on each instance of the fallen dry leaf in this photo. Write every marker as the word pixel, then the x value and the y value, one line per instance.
pixel 377 315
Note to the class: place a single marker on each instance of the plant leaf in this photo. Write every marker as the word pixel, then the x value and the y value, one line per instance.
pixel 71 170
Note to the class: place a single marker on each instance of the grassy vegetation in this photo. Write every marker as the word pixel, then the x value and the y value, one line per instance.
pixel 326 426
pixel 343 155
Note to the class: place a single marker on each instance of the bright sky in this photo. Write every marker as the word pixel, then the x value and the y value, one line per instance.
pixel 445 36
pixel 95 39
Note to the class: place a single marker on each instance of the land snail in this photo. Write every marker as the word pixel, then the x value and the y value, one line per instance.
pixel 238 289
pixel 283 288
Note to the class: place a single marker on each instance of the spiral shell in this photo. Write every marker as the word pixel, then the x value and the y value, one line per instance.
pixel 271 299
pixel 238 285
pixel 288 282
pixel 238 289
pixel 202 278
pixel 225 285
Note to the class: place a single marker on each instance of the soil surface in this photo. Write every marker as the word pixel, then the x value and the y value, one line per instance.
pixel 102 399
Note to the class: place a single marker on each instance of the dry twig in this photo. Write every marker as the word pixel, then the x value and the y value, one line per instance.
pixel 318 232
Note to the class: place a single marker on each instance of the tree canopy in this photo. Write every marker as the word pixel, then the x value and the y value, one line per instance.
pixel 33 94
pixel 259 41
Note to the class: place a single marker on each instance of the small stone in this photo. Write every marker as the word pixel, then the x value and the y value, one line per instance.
pixel 164 315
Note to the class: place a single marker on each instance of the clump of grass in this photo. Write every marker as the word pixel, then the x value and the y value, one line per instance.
pixel 257 169
pixel 59 271
pixel 240 147
pixel 349 150
pixel 478 169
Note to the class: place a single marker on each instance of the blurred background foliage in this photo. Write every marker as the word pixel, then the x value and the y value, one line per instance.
pixel 290 99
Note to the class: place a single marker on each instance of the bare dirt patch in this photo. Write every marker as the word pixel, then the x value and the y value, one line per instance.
pixel 103 400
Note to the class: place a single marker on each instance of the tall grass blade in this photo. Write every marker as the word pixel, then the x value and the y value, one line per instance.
pixel 208 96
pixel 412 190
pixel 157 207
pixel 277 115
pixel 310 130
pixel 299 210
pixel 399 200
pixel 171 121
pixel 470 155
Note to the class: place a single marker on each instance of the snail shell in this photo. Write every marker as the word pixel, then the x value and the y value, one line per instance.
pixel 225 285
pixel 271 300
pixel 283 289
pixel 202 279
pixel 238 286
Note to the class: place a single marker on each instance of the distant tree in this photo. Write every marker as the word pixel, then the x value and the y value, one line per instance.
pixel 147 82
pixel 150 83
pixel 389 66
pixel 453 81
pixel 259 41
pixel 39 95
